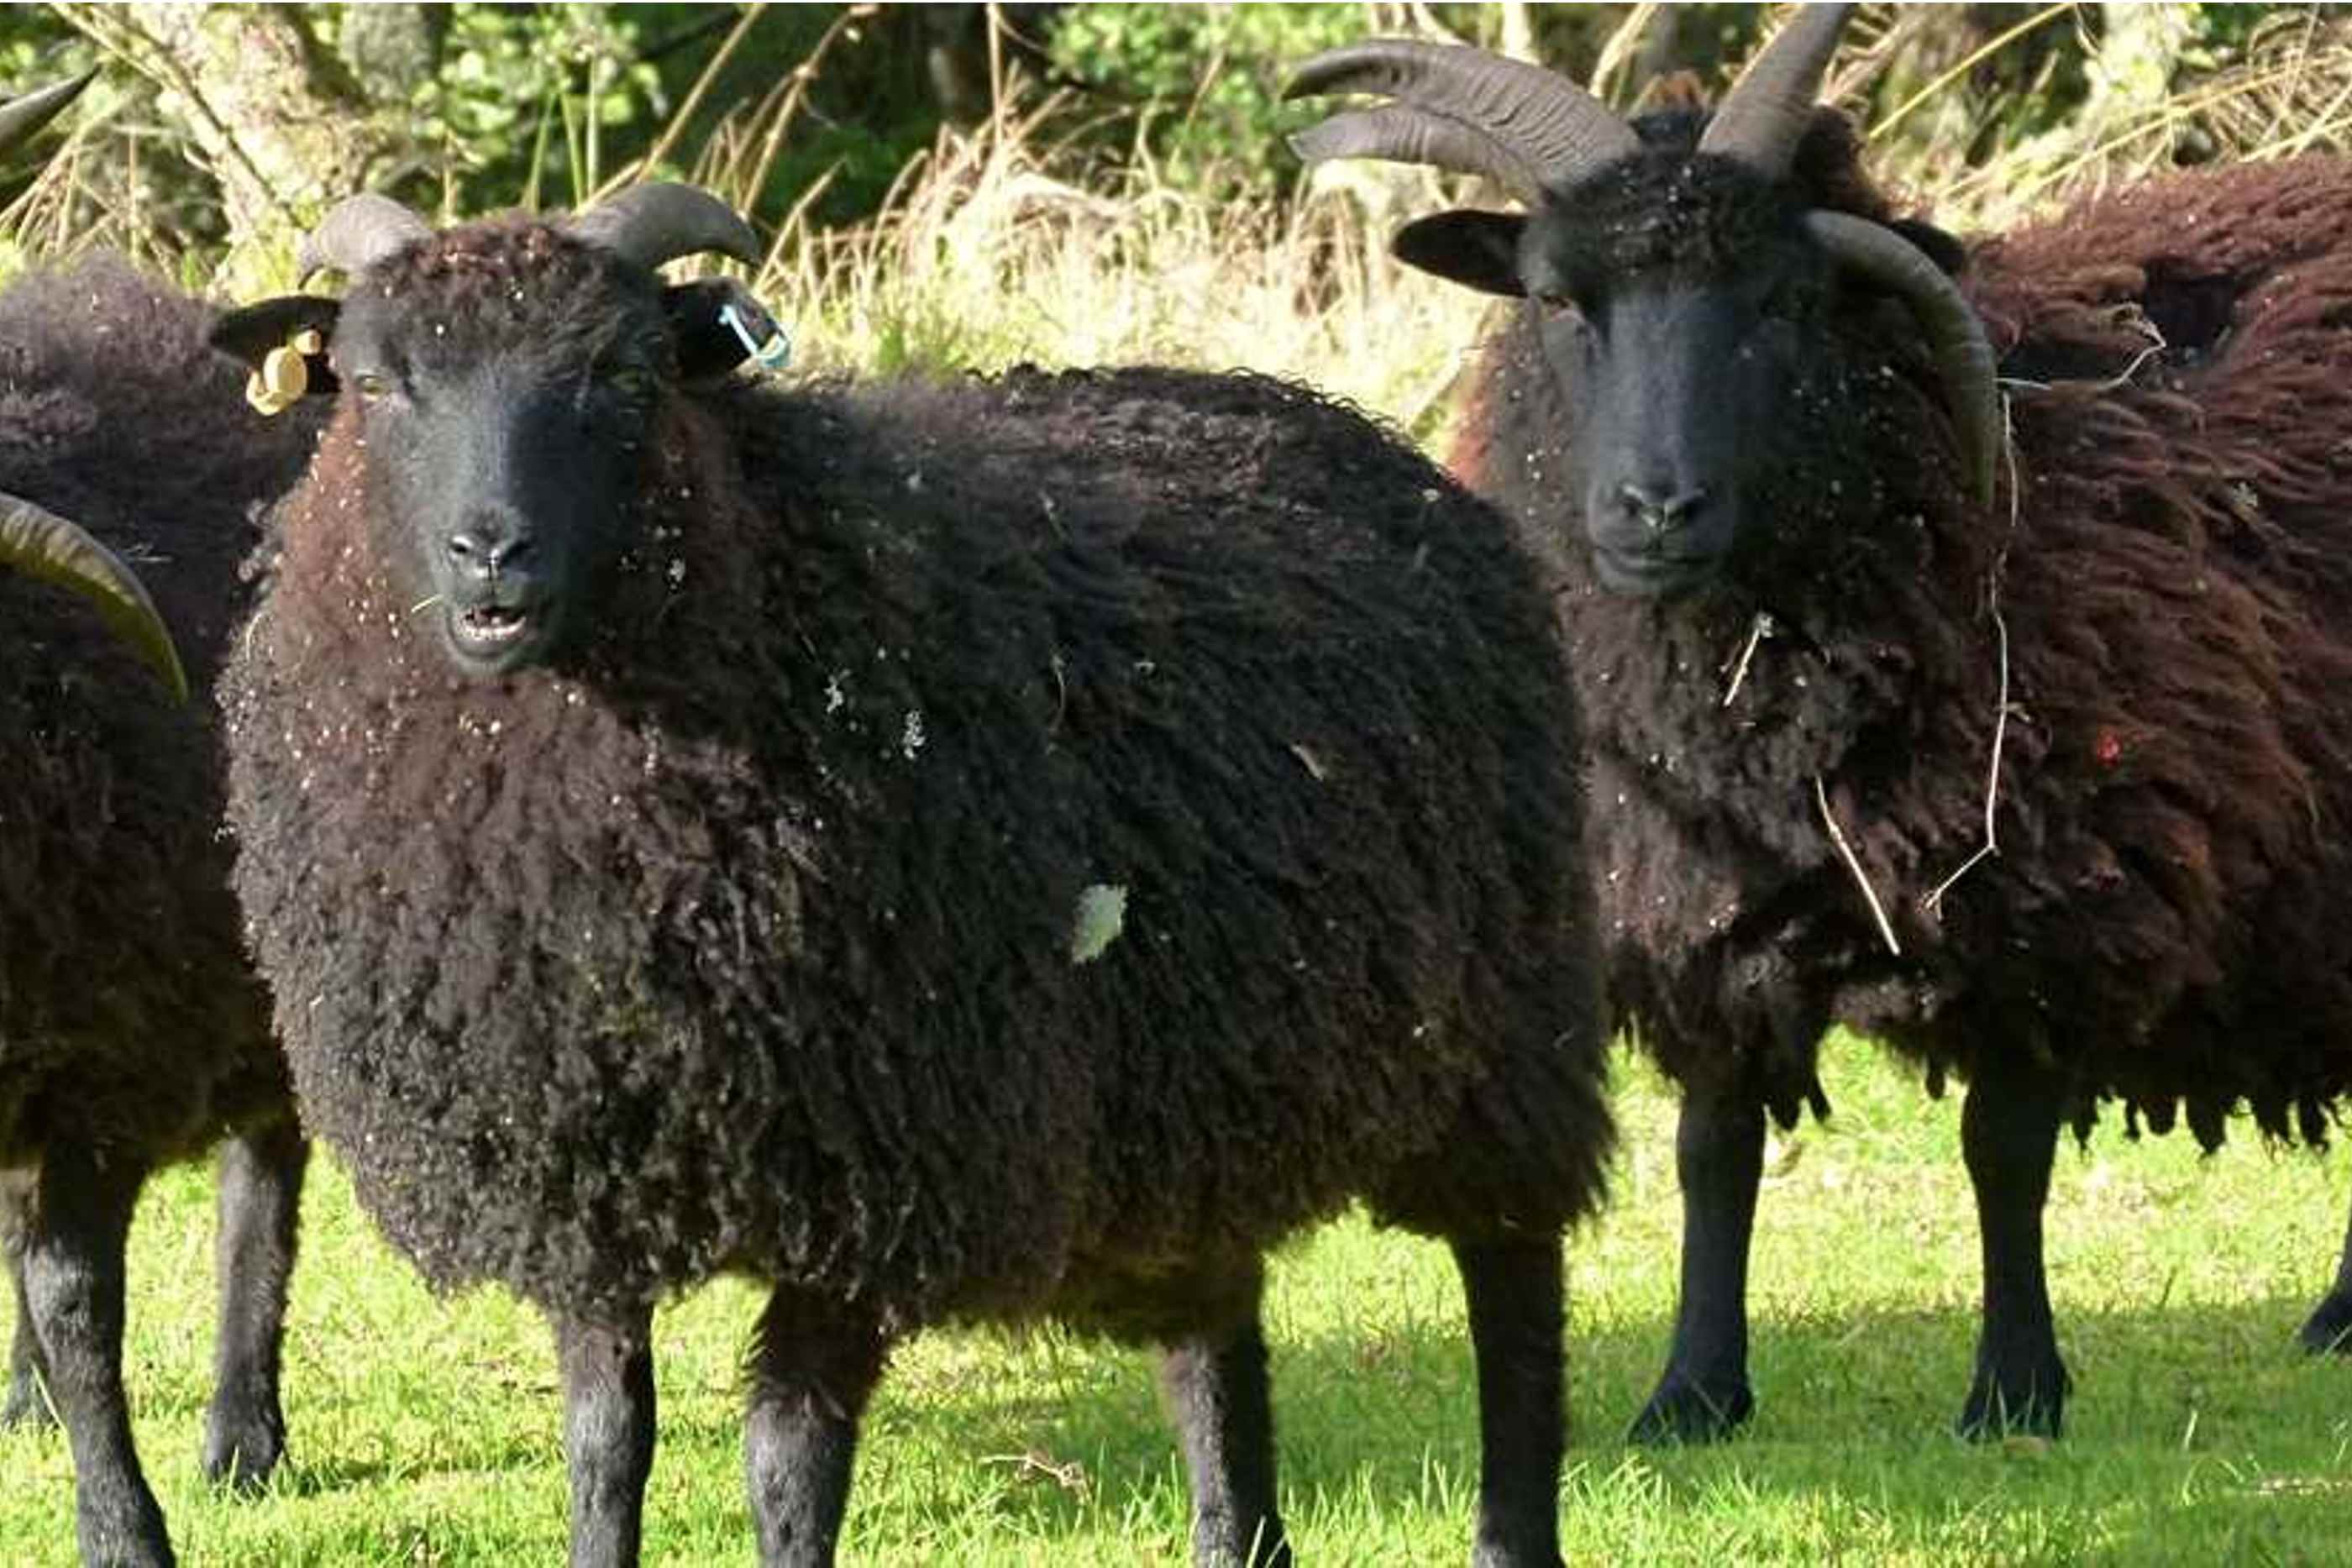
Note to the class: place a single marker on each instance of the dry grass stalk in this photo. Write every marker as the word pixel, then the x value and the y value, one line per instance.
pixel 1853 865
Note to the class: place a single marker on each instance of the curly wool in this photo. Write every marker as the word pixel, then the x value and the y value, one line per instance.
pixel 2175 777
pixel 742 938
pixel 130 1019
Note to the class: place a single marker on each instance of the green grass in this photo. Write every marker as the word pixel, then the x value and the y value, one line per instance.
pixel 425 1432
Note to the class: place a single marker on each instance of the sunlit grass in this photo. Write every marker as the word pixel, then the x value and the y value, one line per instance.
pixel 425 1431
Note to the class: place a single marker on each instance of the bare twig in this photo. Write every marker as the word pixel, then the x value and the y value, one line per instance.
pixel 2138 319
pixel 152 59
pixel 1967 64
pixel 1933 904
pixel 677 121
pixel 996 72
pixel 1756 633
pixel 1617 53
pixel 1067 1474
pixel 1854 864
pixel 803 76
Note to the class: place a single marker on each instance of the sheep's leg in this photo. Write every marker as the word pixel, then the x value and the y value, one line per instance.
pixel 73 1262
pixel 1719 1161
pixel 608 1432
pixel 2329 1328
pixel 29 1374
pixel 815 1362
pixel 1515 1293
pixel 2009 1134
pixel 260 1196
pixel 1219 1395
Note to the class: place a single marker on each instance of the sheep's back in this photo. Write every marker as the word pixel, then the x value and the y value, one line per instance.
pixel 2187 555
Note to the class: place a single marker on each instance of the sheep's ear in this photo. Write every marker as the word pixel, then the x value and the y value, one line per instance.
pixel 1480 250
pixel 1948 254
pixel 716 324
pixel 252 332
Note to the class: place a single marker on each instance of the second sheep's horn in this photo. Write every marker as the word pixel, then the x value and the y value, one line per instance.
pixel 358 232
pixel 1764 116
pixel 1964 356
pixel 1463 110
pixel 21 118
pixel 659 222
pixel 41 544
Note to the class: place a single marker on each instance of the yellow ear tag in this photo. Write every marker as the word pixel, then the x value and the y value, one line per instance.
pixel 280 383
pixel 307 341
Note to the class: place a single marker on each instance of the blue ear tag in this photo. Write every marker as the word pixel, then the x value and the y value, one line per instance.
pixel 771 356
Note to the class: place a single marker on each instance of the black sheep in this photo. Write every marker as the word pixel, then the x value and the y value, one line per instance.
pixel 964 852
pixel 1829 634
pixel 133 1031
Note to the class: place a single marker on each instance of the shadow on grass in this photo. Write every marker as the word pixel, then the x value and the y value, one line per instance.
pixel 2208 1406
pixel 2181 1412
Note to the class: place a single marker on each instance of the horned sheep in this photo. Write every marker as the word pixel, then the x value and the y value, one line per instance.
pixel 134 1030
pixel 2021 742
pixel 974 850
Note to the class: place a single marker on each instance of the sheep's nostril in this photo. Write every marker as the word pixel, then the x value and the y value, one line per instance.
pixel 485 553
pixel 1659 509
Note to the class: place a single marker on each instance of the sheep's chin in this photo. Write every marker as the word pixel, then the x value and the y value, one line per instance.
pixel 485 640
pixel 1650 576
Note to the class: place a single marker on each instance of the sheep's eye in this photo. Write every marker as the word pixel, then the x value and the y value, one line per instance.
pixel 1559 307
pixel 631 381
pixel 371 385
pixel 1563 311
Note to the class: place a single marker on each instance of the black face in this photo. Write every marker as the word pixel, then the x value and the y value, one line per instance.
pixel 1675 386
pixel 1686 381
pixel 1686 320
pixel 507 466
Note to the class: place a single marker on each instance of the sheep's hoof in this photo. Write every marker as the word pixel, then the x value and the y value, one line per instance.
pixel 242 1447
pixel 2030 1407
pixel 1687 1411
pixel 116 1521
pixel 2329 1330
pixel 1495 1554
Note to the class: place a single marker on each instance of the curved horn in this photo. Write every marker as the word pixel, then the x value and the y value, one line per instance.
pixel 1964 357
pixel 44 545
pixel 1543 121
pixel 1764 115
pixel 1403 134
pixel 652 224
pixel 20 119
pixel 357 233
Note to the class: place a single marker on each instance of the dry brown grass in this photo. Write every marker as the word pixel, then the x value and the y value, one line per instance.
pixel 987 255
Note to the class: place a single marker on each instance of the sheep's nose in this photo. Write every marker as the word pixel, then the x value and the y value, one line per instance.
pixel 1661 509
pixel 486 548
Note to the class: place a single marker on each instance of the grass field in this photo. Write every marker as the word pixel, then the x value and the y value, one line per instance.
pixel 425 1432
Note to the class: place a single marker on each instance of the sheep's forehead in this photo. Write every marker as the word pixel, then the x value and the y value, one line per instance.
pixel 504 287
pixel 1669 211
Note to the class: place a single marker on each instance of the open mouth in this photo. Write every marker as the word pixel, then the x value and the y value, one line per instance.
pixel 493 636
pixel 492 625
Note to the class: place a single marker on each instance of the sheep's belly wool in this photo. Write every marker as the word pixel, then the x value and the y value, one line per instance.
pixel 1018 835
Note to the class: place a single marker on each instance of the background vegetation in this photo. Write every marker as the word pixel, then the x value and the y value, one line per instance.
pixel 963 187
